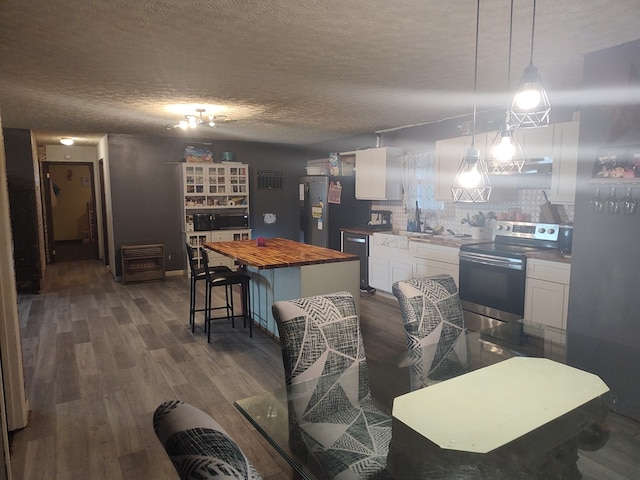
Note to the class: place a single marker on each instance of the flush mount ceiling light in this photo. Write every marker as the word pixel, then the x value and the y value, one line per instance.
pixel 200 119
pixel 531 107
pixel 471 183
pixel 66 141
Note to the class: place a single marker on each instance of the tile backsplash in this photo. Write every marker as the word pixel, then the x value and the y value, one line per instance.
pixel 528 199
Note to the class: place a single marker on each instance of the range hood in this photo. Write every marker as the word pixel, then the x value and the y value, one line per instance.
pixel 529 166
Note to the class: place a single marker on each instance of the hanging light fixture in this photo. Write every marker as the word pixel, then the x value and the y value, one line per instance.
pixel 200 118
pixel 506 155
pixel 531 107
pixel 471 183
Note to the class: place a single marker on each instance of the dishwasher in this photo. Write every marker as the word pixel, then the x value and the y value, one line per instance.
pixel 358 244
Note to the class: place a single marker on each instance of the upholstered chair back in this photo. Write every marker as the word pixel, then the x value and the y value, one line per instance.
pixel 320 338
pixel 198 446
pixel 333 423
pixel 434 325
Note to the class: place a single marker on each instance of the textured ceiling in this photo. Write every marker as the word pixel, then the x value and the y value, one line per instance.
pixel 291 71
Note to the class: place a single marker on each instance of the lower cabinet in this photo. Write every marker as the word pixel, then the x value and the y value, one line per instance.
pixel 546 298
pixel 434 260
pixel 384 273
pixel 388 265
pixel 196 239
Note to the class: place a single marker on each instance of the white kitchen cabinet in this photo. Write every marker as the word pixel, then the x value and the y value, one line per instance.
pixel 388 265
pixel 536 142
pixel 384 273
pixel 565 162
pixel 215 189
pixel 547 293
pixel 215 186
pixel 379 174
pixel 197 239
pixel 449 153
pixel 434 260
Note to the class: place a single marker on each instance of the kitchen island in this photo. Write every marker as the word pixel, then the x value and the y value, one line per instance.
pixel 284 269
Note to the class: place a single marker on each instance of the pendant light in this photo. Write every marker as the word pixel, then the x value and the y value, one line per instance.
pixel 531 107
pixel 506 155
pixel 471 183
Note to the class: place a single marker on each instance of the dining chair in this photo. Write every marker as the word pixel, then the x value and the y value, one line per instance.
pixel 196 274
pixel 335 427
pixel 198 446
pixel 434 326
pixel 227 280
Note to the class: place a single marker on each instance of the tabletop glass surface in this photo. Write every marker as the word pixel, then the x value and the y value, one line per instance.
pixel 548 452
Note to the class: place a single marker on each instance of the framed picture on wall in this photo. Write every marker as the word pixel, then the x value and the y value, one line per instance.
pixel 617 163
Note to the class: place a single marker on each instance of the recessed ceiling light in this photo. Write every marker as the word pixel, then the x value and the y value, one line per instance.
pixel 66 141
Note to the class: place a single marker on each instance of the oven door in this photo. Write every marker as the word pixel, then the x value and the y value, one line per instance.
pixel 492 287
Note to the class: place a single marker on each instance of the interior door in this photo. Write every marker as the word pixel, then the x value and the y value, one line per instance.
pixel 103 204
pixel 47 193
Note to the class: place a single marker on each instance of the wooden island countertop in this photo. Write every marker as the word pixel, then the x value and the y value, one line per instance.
pixel 278 253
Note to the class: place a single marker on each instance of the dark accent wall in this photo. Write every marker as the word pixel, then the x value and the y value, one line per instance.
pixel 146 190
pixel 22 204
pixel 603 328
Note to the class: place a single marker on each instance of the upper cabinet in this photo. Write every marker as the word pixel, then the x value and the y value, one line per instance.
pixel 215 185
pixel 536 142
pixel 558 142
pixel 565 162
pixel 379 174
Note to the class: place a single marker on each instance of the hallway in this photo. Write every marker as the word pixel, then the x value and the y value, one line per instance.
pixel 75 251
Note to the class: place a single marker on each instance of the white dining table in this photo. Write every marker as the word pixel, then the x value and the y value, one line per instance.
pixel 487 408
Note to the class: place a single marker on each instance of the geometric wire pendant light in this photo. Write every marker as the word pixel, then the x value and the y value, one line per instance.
pixel 506 156
pixel 531 107
pixel 471 183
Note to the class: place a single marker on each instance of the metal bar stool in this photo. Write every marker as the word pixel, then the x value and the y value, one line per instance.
pixel 226 279
pixel 197 273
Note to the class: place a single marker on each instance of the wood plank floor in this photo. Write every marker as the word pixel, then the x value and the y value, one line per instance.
pixel 99 357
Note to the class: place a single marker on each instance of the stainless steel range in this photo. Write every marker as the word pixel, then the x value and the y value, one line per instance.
pixel 492 274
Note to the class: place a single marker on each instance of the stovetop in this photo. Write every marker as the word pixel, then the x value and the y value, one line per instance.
pixel 516 239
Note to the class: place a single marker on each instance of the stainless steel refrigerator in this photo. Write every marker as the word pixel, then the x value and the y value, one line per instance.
pixel 328 204
pixel 603 328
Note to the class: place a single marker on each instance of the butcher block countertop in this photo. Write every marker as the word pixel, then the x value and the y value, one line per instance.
pixel 278 253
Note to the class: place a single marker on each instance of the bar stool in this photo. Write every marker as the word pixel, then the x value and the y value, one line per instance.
pixel 226 279
pixel 197 273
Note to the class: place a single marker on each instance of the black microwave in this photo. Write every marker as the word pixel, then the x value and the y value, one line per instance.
pixel 203 222
pixel 231 222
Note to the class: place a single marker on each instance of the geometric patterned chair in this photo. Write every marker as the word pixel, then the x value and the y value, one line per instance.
pixel 335 429
pixel 198 446
pixel 434 325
